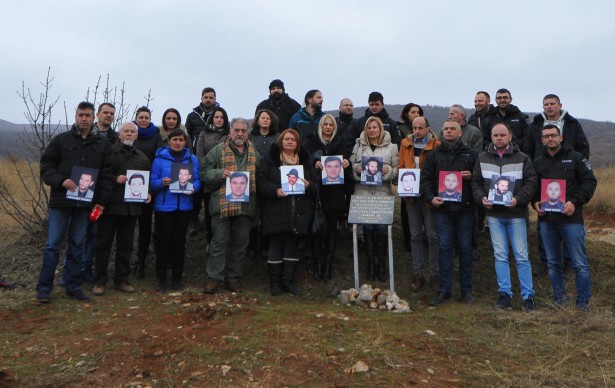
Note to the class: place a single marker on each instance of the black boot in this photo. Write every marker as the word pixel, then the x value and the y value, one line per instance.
pixel 317 257
pixel 330 242
pixel 289 269
pixel 140 267
pixel 176 280
pixel 275 277
pixel 370 253
pixel 381 252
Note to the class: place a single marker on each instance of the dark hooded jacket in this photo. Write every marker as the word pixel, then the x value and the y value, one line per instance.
pixel 390 126
pixel 572 133
pixel 197 121
pixel 580 181
pixel 67 150
pixel 484 123
pixel 518 123
pixel 284 108
pixel 125 159
pixel 447 157
pixel 292 213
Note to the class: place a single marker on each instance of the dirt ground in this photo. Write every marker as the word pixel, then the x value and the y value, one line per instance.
pixel 245 339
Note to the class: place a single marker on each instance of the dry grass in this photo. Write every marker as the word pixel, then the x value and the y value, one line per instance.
pixel 604 198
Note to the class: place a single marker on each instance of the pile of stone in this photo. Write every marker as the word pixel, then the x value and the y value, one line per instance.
pixel 373 298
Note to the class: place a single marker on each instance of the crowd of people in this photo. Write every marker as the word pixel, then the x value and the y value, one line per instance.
pixel 259 185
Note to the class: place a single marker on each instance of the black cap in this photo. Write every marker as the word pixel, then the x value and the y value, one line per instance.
pixel 276 83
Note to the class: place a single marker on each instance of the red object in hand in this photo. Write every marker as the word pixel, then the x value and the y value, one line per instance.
pixel 95 214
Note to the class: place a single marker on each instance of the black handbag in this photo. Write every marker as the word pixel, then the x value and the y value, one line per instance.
pixel 318 223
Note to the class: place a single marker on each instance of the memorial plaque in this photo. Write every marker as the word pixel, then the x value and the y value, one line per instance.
pixel 371 210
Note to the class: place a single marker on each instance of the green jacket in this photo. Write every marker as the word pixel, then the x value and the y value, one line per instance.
pixel 211 177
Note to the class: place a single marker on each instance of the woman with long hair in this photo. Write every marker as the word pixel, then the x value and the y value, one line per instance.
pixel 326 147
pixel 216 132
pixel 374 164
pixel 264 133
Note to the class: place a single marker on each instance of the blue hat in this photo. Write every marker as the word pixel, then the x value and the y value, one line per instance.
pixel 293 171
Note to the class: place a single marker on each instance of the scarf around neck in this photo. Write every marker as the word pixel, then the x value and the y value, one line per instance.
pixel 229 162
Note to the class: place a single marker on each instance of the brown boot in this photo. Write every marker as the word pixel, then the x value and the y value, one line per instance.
pixel 418 281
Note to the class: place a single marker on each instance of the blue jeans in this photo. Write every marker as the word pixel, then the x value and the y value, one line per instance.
pixel 513 229
pixel 574 236
pixel 453 226
pixel 75 221
pixel 88 253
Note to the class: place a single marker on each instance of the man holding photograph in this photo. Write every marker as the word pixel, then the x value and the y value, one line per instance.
pixel 119 220
pixel 507 219
pixel 560 161
pixel 231 221
pixel 80 146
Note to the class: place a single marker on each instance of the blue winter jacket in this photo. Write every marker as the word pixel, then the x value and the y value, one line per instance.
pixel 161 168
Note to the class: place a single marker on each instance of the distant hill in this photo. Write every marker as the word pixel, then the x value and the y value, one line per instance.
pixel 600 133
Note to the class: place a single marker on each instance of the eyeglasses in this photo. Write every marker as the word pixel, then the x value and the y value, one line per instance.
pixel 550 135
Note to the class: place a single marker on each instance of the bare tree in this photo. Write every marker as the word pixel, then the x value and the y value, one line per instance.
pixel 23 196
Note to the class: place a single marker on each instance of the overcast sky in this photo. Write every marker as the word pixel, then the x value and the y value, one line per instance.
pixel 428 52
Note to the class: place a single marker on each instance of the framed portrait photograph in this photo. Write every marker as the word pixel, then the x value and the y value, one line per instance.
pixel 137 186
pixel 449 186
pixel 291 178
pixel 371 170
pixel 552 195
pixel 238 187
pixel 501 191
pixel 85 179
pixel 333 171
pixel 408 182
pixel 181 178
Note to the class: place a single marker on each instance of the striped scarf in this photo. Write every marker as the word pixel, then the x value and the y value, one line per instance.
pixel 229 162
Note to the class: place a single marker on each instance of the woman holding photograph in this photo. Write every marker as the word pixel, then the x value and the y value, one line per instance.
pixel 375 142
pixel 173 210
pixel 285 218
pixel 327 143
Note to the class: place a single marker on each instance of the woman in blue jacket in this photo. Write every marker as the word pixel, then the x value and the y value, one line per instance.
pixel 172 209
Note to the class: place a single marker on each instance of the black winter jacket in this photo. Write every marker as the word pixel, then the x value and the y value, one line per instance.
pixel 149 145
pixel 284 108
pixel 456 157
pixel 580 181
pixel 263 143
pixel 292 213
pixel 518 123
pixel 196 121
pixel 513 164
pixel 125 159
pixel 572 133
pixel 484 123
pixel 69 149
pixel 390 126
pixel 331 196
